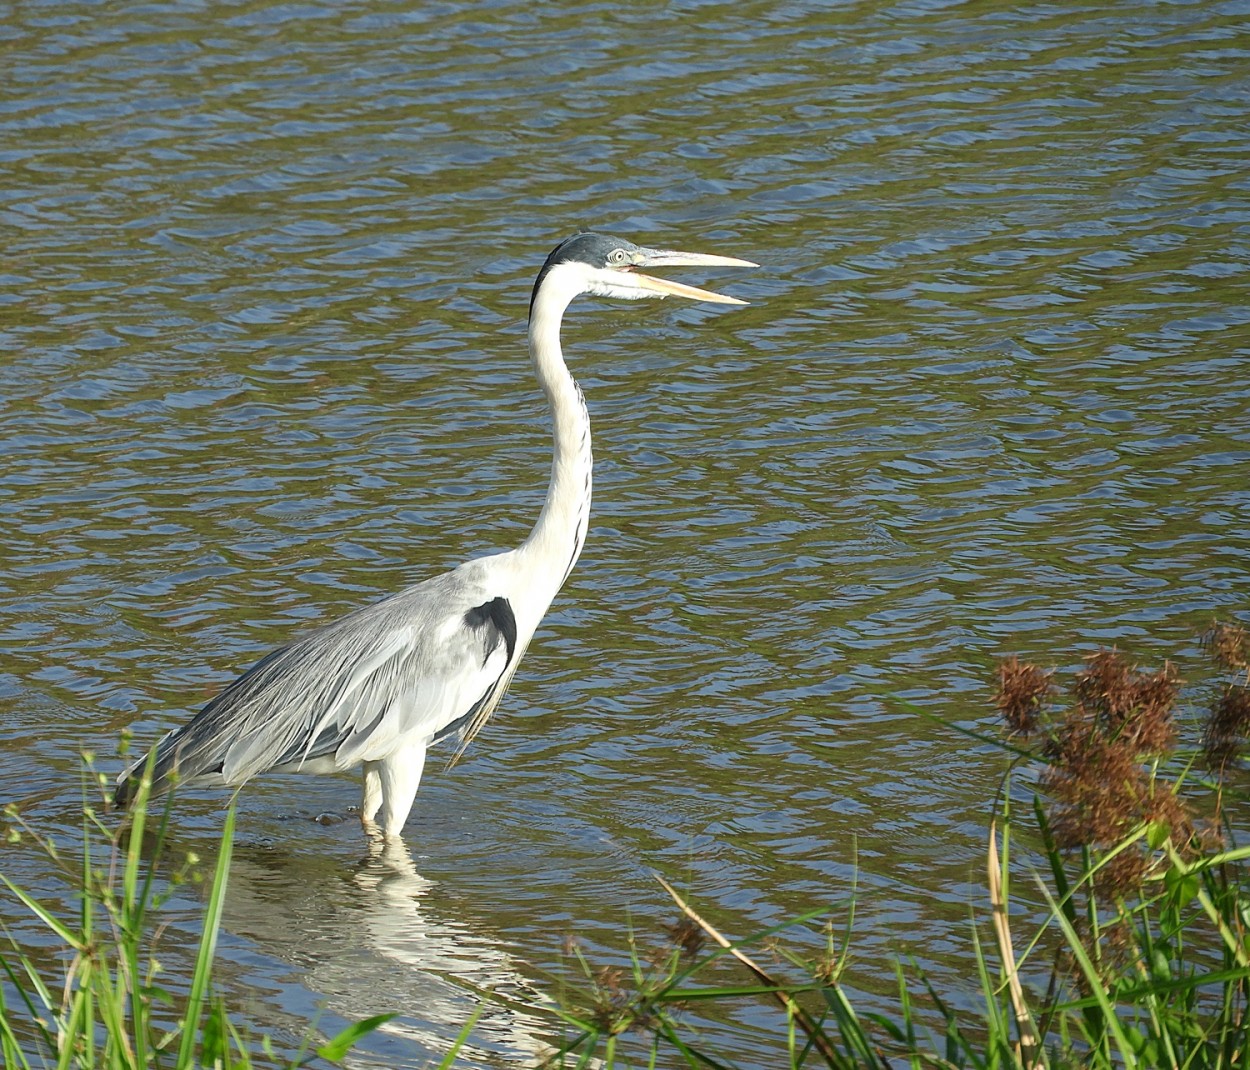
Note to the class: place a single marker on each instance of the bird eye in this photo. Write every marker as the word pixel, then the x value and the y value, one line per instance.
pixel 616 256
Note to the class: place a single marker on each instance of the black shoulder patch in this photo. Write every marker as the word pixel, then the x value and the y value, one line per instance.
pixel 499 613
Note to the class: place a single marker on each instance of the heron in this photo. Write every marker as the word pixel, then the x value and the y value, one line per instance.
pixel 380 686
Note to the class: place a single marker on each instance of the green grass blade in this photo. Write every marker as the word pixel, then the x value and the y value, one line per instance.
pixel 956 1041
pixel 208 944
pixel 36 982
pixel 1055 860
pixel 693 1057
pixel 995 741
pixel 35 907
pixel 72 1033
pixel 856 1039
pixel 461 1039
pixel 908 1038
pixel 337 1048
pixel 684 995
pixel 996 1026
pixel 1109 1019
pixel 10 1049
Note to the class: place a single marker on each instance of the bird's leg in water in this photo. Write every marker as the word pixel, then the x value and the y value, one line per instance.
pixel 400 775
pixel 371 800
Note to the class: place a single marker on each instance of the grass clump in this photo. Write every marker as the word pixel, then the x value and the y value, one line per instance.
pixel 1115 933
pixel 105 1007
pixel 1123 942
pixel 1147 924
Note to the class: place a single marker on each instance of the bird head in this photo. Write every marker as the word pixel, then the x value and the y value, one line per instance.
pixel 608 267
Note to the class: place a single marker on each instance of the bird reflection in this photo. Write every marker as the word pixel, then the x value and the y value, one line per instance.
pixel 375 940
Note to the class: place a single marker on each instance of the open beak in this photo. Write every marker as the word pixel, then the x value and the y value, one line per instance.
pixel 672 258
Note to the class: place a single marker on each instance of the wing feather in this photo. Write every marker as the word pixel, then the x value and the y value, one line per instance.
pixel 429 663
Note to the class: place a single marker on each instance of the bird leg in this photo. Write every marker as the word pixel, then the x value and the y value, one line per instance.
pixel 400 776
pixel 371 799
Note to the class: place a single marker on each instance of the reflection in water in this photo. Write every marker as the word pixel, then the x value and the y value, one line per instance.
pixel 373 941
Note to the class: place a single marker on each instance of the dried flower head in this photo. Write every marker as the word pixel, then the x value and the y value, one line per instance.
pixel 1228 728
pixel 611 1007
pixel 1122 875
pixel 1209 835
pixel 687 935
pixel 1134 707
pixel 826 968
pixel 1095 774
pixel 1097 783
pixel 1165 809
pixel 1227 646
pixel 1101 790
pixel 1120 940
pixel 1022 690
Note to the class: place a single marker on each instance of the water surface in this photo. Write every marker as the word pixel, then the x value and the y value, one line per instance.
pixel 263 295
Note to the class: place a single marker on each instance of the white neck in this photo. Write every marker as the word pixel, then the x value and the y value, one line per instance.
pixel 553 546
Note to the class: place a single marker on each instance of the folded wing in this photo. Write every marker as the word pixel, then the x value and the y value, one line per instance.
pixel 426 665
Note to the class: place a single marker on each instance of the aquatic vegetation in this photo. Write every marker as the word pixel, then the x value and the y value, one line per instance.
pixel 1127 943
pixel 1115 930
pixel 100 999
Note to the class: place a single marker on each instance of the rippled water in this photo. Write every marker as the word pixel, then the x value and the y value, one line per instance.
pixel 262 299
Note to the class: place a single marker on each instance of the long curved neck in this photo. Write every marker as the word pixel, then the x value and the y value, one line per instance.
pixel 556 541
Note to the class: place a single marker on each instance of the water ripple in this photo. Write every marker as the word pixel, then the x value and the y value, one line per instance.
pixel 265 276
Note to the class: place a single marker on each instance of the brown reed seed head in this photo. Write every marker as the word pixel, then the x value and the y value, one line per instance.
pixel 1122 875
pixel 1022 691
pixel 1125 873
pixel 1134 706
pixel 1228 727
pixel 611 999
pixel 686 935
pixel 1096 781
pixel 1164 807
pixel 1101 794
pixel 1210 836
pixel 1227 645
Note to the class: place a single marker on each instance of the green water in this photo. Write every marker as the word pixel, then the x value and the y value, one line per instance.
pixel 265 271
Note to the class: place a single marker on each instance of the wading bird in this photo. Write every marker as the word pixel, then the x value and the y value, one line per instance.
pixel 381 685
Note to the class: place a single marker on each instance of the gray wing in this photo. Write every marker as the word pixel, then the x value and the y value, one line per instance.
pixel 429 663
